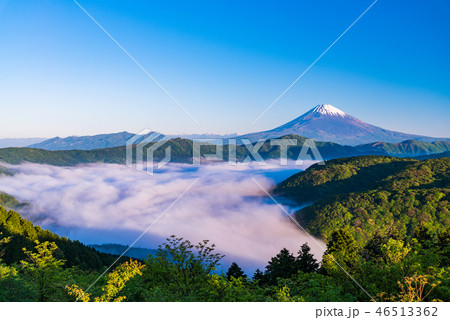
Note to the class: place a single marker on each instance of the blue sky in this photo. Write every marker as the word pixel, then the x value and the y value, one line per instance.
pixel 225 62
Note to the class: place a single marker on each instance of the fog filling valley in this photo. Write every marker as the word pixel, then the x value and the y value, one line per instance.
pixel 109 203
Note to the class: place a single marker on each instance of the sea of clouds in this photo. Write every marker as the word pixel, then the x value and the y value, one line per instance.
pixel 109 203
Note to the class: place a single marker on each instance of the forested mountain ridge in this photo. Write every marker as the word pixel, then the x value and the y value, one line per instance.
pixel 62 158
pixel 9 202
pixel 23 233
pixel 407 148
pixel 362 173
pixel 372 194
pixel 182 151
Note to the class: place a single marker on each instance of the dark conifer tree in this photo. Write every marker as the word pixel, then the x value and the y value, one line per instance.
pixel 305 260
pixel 280 266
pixel 235 271
pixel 258 275
pixel 343 247
pixel 372 249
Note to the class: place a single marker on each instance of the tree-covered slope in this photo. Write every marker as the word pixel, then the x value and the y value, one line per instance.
pixel 62 158
pixel 327 150
pixel 372 194
pixel 10 202
pixel 396 213
pixel 23 233
pixel 5 171
pixel 358 174
pixel 407 148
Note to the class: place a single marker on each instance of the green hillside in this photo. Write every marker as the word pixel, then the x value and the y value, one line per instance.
pixel 4 170
pixel 328 150
pixel 62 158
pixel 10 202
pixel 407 148
pixel 362 173
pixel 372 194
pixel 23 234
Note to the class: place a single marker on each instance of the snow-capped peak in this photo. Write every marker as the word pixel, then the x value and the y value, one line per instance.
pixel 329 110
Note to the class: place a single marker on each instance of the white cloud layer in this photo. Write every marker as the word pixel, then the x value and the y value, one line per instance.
pixel 114 203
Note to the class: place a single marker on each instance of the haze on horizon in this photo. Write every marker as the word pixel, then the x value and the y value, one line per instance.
pixel 224 63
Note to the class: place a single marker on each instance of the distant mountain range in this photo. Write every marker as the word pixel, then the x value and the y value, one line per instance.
pixel 100 141
pixel 336 133
pixel 85 142
pixel 328 123
pixel 202 136
pixel 322 123
pixel 182 152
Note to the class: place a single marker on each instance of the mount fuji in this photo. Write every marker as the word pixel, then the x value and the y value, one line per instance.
pixel 328 123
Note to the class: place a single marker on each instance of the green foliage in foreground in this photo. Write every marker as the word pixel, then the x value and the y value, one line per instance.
pixel 388 269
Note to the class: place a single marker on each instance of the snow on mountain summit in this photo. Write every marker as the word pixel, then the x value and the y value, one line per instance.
pixel 325 122
pixel 329 110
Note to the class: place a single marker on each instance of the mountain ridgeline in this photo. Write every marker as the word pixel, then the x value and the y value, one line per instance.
pixel 84 142
pixel 182 151
pixel 322 123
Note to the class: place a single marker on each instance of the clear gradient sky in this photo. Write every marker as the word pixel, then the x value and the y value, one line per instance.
pixel 225 62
